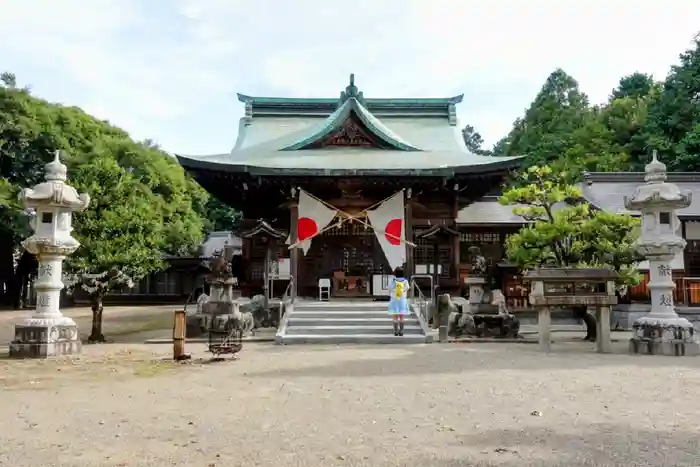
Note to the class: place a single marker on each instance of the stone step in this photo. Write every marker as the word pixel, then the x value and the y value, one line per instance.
pixel 340 314
pixel 353 306
pixel 334 321
pixel 349 330
pixel 354 339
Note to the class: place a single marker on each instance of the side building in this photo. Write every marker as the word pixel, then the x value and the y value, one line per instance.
pixel 181 278
pixel 486 223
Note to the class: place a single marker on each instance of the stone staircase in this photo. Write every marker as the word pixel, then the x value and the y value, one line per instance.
pixel 346 322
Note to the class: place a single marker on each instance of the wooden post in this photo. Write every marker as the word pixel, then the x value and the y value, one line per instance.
pixel 179 327
pixel 294 253
pixel 409 237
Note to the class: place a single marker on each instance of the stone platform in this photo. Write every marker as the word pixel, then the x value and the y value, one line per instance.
pixel 45 340
pixel 671 337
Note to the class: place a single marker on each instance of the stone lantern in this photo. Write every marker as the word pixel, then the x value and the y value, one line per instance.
pixel 661 331
pixel 47 332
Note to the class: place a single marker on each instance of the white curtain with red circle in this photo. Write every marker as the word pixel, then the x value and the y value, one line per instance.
pixel 388 223
pixel 313 217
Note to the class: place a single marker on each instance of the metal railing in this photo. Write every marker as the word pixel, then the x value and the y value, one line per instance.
pixel 420 305
pixel 432 283
pixel 286 306
pixel 189 298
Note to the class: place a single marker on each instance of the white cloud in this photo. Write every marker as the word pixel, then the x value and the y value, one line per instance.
pixel 170 69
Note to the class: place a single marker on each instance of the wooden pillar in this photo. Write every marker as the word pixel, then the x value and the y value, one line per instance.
pixel 409 237
pixel 436 266
pixel 294 252
pixel 266 276
pixel 455 242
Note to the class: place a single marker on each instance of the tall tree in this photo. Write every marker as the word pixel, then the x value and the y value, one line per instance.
pixel 122 233
pixel 473 140
pixel 123 177
pixel 546 130
pixel 565 231
pixel 626 118
pixel 674 118
pixel 218 216
pixel 635 86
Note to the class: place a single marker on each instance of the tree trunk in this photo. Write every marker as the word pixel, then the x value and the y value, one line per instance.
pixel 581 312
pixel 97 308
pixel 8 287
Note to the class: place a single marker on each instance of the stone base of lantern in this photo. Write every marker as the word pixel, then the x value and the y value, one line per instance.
pixel 666 336
pixel 44 338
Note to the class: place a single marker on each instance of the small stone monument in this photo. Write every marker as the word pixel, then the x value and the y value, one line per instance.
pixel 214 310
pixel 661 331
pixel 477 276
pixel 553 288
pixel 47 332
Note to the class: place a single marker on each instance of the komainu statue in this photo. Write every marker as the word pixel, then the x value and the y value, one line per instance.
pixel 459 321
pixel 241 320
pixel 480 320
pixel 477 262
pixel 256 307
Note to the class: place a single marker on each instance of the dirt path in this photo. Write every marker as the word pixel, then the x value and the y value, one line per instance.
pixel 414 406
pixel 119 322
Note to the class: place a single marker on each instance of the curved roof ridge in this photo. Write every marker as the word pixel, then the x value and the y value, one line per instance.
pixel 336 120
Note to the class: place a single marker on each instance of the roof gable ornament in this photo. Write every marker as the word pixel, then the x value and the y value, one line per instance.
pixel 351 92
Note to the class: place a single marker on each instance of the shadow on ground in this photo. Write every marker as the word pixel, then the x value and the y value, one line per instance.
pixel 457 358
pixel 593 445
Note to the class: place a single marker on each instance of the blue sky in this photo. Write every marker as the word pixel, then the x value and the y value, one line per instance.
pixel 169 70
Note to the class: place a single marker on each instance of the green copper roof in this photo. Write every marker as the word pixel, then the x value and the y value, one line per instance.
pixel 370 102
pixel 350 107
pixel 415 137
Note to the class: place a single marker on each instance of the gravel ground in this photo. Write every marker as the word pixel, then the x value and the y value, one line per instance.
pixel 418 406
pixel 118 321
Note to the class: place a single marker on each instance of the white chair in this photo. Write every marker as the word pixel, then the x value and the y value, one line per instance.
pixel 324 287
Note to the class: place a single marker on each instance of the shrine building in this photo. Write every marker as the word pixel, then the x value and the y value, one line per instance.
pixel 356 185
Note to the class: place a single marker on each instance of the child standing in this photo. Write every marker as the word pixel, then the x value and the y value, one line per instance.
pixel 398 304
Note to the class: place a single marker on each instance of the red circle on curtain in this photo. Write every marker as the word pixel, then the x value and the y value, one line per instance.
pixel 306 228
pixel 392 232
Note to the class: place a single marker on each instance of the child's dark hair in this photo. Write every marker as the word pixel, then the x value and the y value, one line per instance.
pixel 398 272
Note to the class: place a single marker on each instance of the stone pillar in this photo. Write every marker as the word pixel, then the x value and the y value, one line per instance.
pixel 47 332
pixel 603 343
pixel 661 331
pixel 476 289
pixel 544 325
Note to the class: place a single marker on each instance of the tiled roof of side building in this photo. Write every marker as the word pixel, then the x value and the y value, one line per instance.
pixel 607 191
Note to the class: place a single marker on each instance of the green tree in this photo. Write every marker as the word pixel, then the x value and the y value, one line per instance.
pixel 564 231
pixel 674 118
pixel 122 233
pixel 546 130
pixel 144 205
pixel 6 192
pixel 473 141
pixel 8 79
pixel 635 86
pixel 592 148
pixel 218 216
